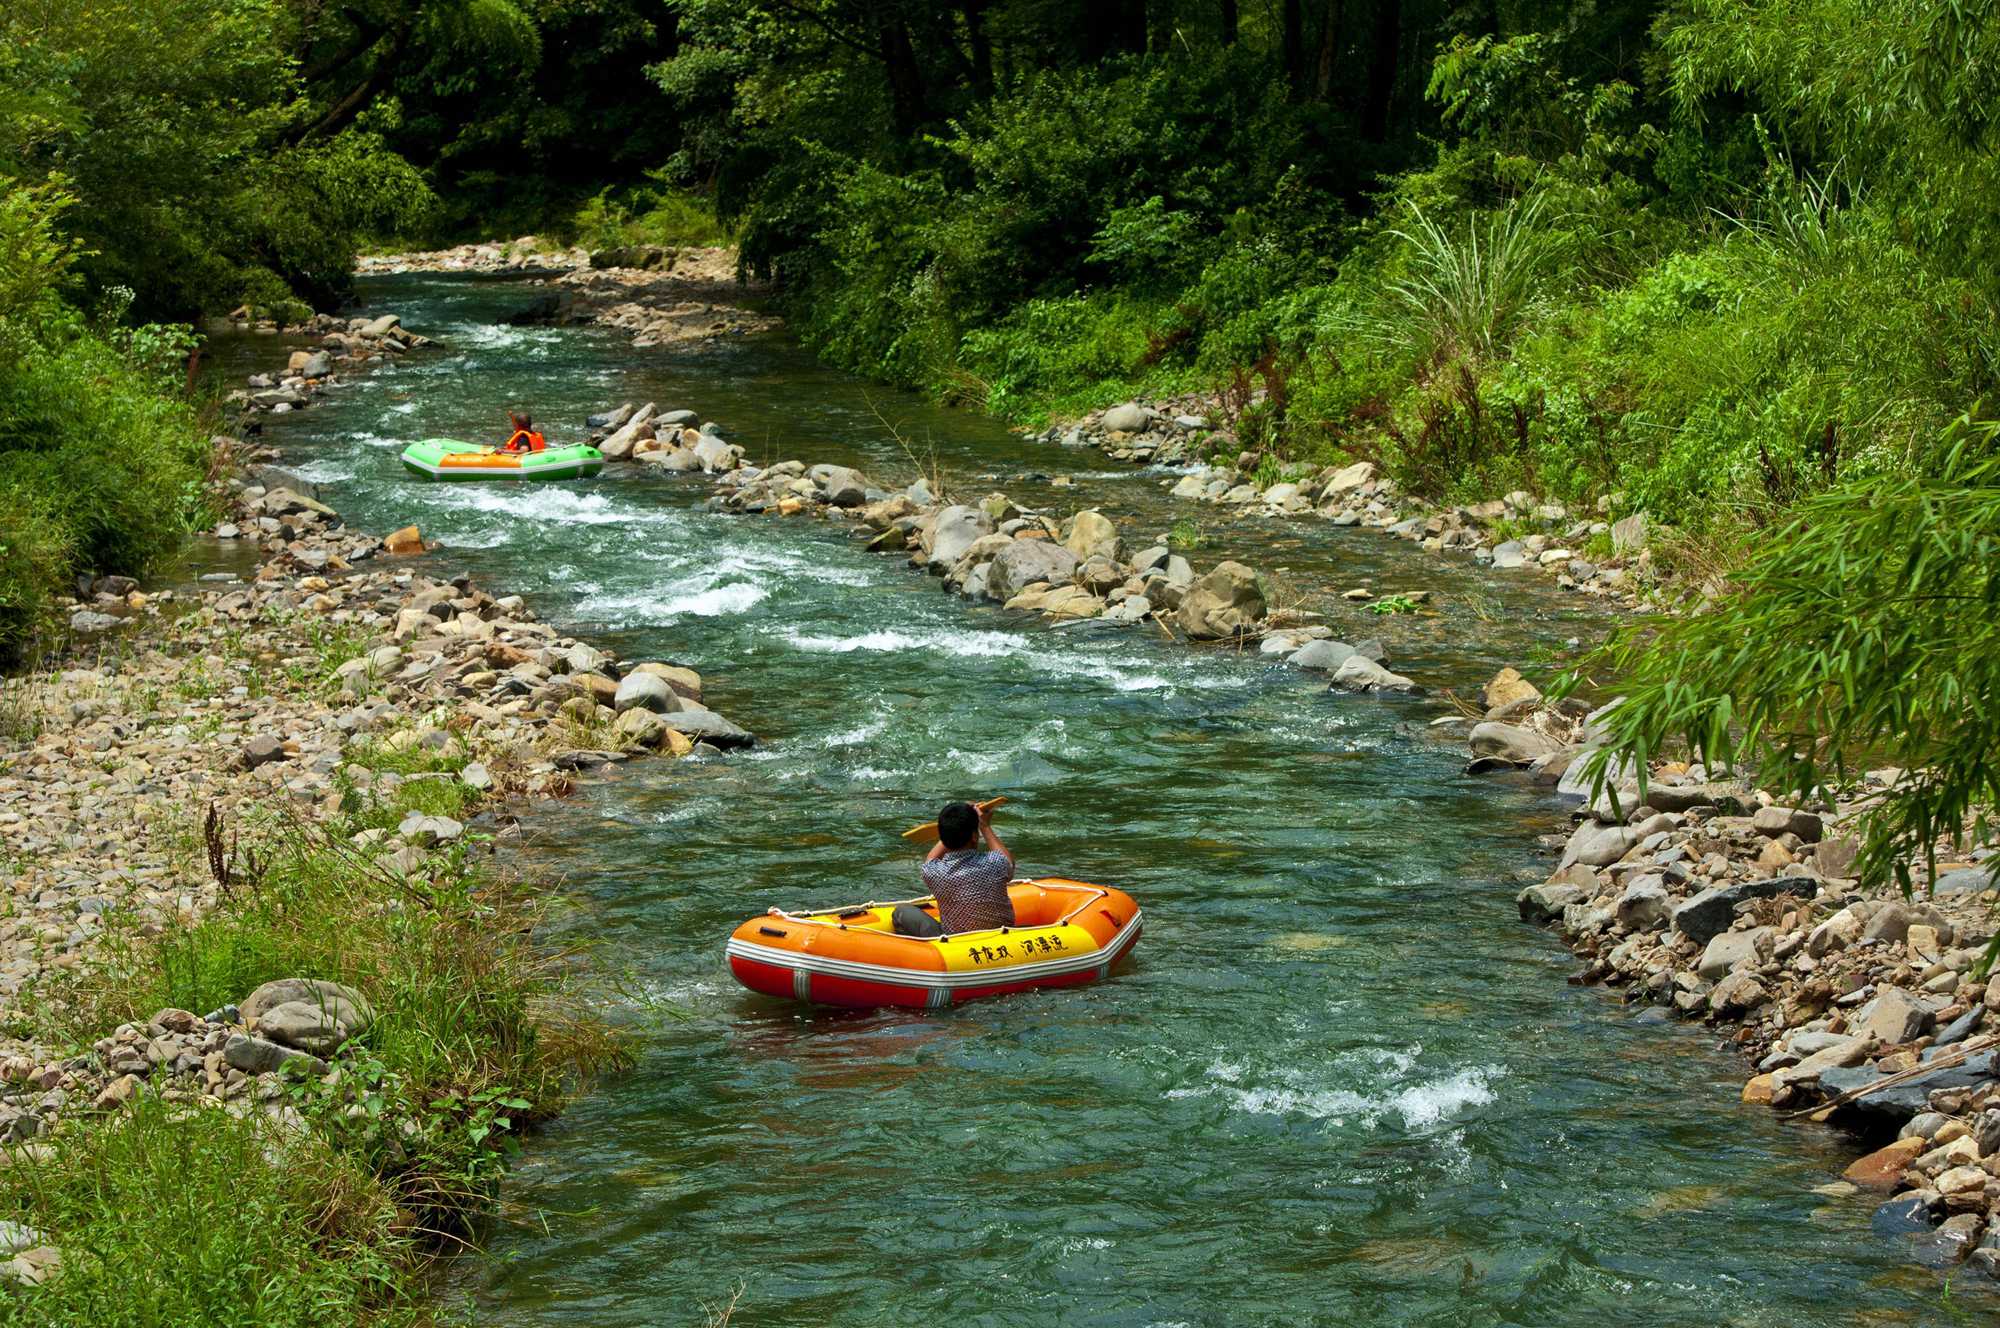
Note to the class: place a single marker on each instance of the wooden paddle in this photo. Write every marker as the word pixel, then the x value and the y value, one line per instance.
pixel 927 833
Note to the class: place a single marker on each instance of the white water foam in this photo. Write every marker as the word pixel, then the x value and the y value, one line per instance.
pixel 1291 1091
pixel 1121 672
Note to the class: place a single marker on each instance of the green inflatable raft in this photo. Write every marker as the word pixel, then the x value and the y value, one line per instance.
pixel 449 459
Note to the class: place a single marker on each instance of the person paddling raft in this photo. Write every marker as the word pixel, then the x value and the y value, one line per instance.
pixel 969 881
pixel 525 438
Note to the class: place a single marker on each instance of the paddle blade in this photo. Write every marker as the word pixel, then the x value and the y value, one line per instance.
pixel 927 833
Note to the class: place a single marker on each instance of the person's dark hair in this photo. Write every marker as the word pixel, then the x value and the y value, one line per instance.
pixel 957 824
pixel 522 420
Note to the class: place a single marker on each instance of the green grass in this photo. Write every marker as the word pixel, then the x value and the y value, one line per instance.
pixel 169 1215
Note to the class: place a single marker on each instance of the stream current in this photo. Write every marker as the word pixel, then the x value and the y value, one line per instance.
pixel 1340 1084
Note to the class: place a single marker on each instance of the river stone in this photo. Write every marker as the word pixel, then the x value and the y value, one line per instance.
pixel 1599 845
pixel 1545 902
pixel 1628 535
pixel 1707 915
pixel 1511 554
pixel 255 1055
pixel 1959 881
pixel 647 728
pixel 425 831
pixel 1729 799
pixel 312 1027
pixel 1888 1108
pixel 1644 906
pixel 1358 673
pixel 1024 562
pixel 618 447
pixel 645 691
pixel 1893 920
pixel 1227 602
pixel 1128 418
pixel 350 1004
pixel 610 419
pixel 1894 1016
pixel 1322 656
pixel 843 485
pixel 262 750
pixel 1511 742
pixel 90 620
pixel 1146 560
pixel 707 726
pixel 956 528
pixel 1508 687
pixel 1775 821
pixel 1347 479
pixel 1731 950
pixel 384 326
pixel 1091 535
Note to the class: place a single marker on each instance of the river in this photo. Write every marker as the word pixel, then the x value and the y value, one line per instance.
pixel 1340 1084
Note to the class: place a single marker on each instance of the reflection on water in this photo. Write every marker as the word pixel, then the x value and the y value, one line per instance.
pixel 1339 1085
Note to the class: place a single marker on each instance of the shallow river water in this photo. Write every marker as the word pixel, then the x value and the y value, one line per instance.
pixel 1341 1084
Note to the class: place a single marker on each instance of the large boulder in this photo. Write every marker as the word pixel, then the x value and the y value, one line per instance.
pixel 1707 915
pixel 645 691
pixel 1596 845
pixel 843 486
pixel 1128 418
pixel 1507 687
pixel 1024 562
pixel 618 447
pixel 1347 479
pixel 1511 742
pixel 1227 602
pixel 707 726
pixel 1358 673
pixel 307 1014
pixel 1322 656
pixel 1091 535
pixel 956 528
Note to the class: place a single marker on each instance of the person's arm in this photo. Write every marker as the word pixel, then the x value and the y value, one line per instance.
pixel 993 840
pixel 937 851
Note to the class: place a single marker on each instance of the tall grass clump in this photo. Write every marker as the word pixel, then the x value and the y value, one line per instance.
pixel 170 1215
pixel 1463 294
pixel 478 1026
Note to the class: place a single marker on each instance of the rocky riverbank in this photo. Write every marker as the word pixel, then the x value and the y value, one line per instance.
pixel 1705 899
pixel 1068 568
pixel 349 692
pixel 1601 553
pixel 659 295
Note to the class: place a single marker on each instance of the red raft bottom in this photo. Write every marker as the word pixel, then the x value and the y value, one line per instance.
pixel 828 989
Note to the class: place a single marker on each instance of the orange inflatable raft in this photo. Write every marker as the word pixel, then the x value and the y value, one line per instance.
pixel 1066 933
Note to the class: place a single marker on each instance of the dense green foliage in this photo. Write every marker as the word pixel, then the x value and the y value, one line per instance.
pixel 1710 256
pixel 101 464
pixel 1859 635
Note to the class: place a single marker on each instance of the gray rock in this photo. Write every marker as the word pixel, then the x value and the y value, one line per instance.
pixel 1322 656
pixel 1893 920
pixel 1227 602
pixel 384 326
pixel 1707 915
pixel 1730 799
pixel 1510 742
pixel 1731 950
pixel 956 528
pixel 89 620
pixel 477 776
pixel 318 365
pixel 1963 881
pixel 1961 1028
pixel 425 831
pixel 308 1027
pixel 349 1004
pixel 675 418
pixel 1775 821
pixel 1894 1016
pixel 1886 1109
pixel 709 727
pixel 1358 673
pixel 1128 418
pixel 645 691
pixel 261 750
pixel 1599 845
pixel 1511 554
pixel 1023 562
pixel 255 1055
pixel 1542 903
pixel 843 485
pixel 1628 535
pixel 1644 906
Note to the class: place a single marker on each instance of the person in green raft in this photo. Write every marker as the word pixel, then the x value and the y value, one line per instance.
pixel 525 438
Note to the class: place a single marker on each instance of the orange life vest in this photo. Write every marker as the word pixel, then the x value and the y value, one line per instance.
pixel 524 441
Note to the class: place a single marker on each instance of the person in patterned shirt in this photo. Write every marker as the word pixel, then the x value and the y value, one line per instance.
pixel 969 881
